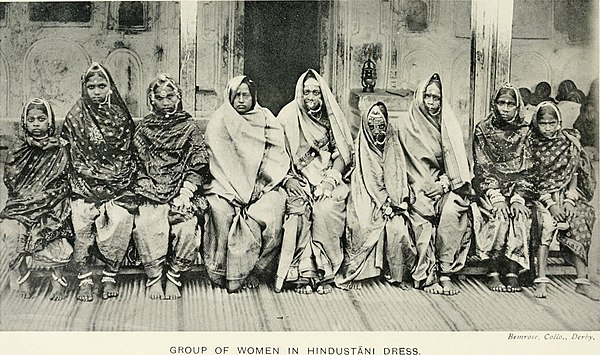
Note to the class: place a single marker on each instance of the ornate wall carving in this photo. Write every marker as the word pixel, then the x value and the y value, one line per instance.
pixel 52 68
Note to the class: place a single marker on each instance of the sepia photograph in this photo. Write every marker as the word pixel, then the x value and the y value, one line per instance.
pixel 330 177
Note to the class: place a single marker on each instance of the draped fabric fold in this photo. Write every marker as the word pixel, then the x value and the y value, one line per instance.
pixel 35 176
pixel 248 161
pixel 429 148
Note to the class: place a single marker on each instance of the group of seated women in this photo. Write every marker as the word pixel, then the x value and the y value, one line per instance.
pixel 293 199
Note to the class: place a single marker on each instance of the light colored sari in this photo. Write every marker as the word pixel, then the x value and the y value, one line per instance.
pixel 431 148
pixel 248 161
pixel 373 243
pixel 311 249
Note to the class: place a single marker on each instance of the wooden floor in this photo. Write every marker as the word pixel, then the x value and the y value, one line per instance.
pixel 377 307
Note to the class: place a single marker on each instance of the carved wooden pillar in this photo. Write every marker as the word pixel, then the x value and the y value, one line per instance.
pixel 187 67
pixel 491 34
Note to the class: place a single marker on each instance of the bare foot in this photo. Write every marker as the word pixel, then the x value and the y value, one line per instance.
pixel 303 289
pixel 495 284
pixel 85 292
pixel 324 289
pixel 58 290
pixel 172 291
pixel 354 285
pixel 234 286
pixel 587 291
pixel 512 283
pixel 26 289
pixel 403 285
pixel 109 289
pixel 450 289
pixel 541 290
pixel 434 289
pixel 155 291
pixel 252 281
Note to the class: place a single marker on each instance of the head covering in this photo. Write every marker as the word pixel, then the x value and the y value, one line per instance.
pixel 247 154
pixel 542 92
pixel 564 89
pixel 535 118
pixel 169 147
pixel 519 118
pixel 251 87
pixel 558 158
pixel 425 148
pixel 525 95
pixel 36 178
pixel 100 137
pixel 298 124
pixel 162 81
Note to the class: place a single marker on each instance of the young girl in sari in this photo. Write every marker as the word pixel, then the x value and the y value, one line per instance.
pixel 172 164
pixel 99 131
pixel 565 181
pixel 35 222
pixel 502 171
pixel 377 240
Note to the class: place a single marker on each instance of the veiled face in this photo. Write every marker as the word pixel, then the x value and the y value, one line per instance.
pixel 377 125
pixel 311 94
pixel 242 100
pixel 97 88
pixel 37 123
pixel 547 125
pixel 506 107
pixel 432 98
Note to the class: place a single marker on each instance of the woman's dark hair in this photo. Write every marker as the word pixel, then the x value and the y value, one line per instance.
pixel 547 109
pixel 508 91
pixel 525 95
pixel 253 89
pixel 576 96
pixel 382 108
pixel 39 106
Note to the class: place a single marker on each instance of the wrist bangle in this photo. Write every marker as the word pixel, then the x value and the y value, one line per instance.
pixel 570 202
pixel 188 185
pixel 335 175
pixel 516 198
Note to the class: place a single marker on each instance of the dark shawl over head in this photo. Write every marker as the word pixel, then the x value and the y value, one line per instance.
pixel 100 143
pixel 36 179
pixel 559 158
pixel 170 149
pixel 502 158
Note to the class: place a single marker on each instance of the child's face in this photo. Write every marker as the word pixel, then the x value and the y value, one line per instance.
pixel 97 88
pixel 547 125
pixel 506 106
pixel 242 101
pixel 165 99
pixel 37 123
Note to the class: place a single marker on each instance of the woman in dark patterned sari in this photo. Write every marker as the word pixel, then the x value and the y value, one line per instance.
pixel 566 181
pixel 99 132
pixel 35 221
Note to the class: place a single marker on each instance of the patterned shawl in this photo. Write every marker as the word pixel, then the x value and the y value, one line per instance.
pixel 247 155
pixel 502 158
pixel 425 148
pixel 99 138
pixel 559 158
pixel 303 131
pixel 36 179
pixel 170 151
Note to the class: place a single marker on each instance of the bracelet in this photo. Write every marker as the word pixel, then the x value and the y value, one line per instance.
pixel 188 185
pixel 335 175
pixel 186 192
pixel 570 202
pixel 517 199
pixel 330 181
pixel 547 200
pixel 495 196
pixel 445 182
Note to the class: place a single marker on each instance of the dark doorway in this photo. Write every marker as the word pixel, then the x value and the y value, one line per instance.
pixel 281 41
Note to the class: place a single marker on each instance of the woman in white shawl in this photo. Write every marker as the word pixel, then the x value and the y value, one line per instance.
pixel 377 240
pixel 428 147
pixel 248 162
pixel 320 145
